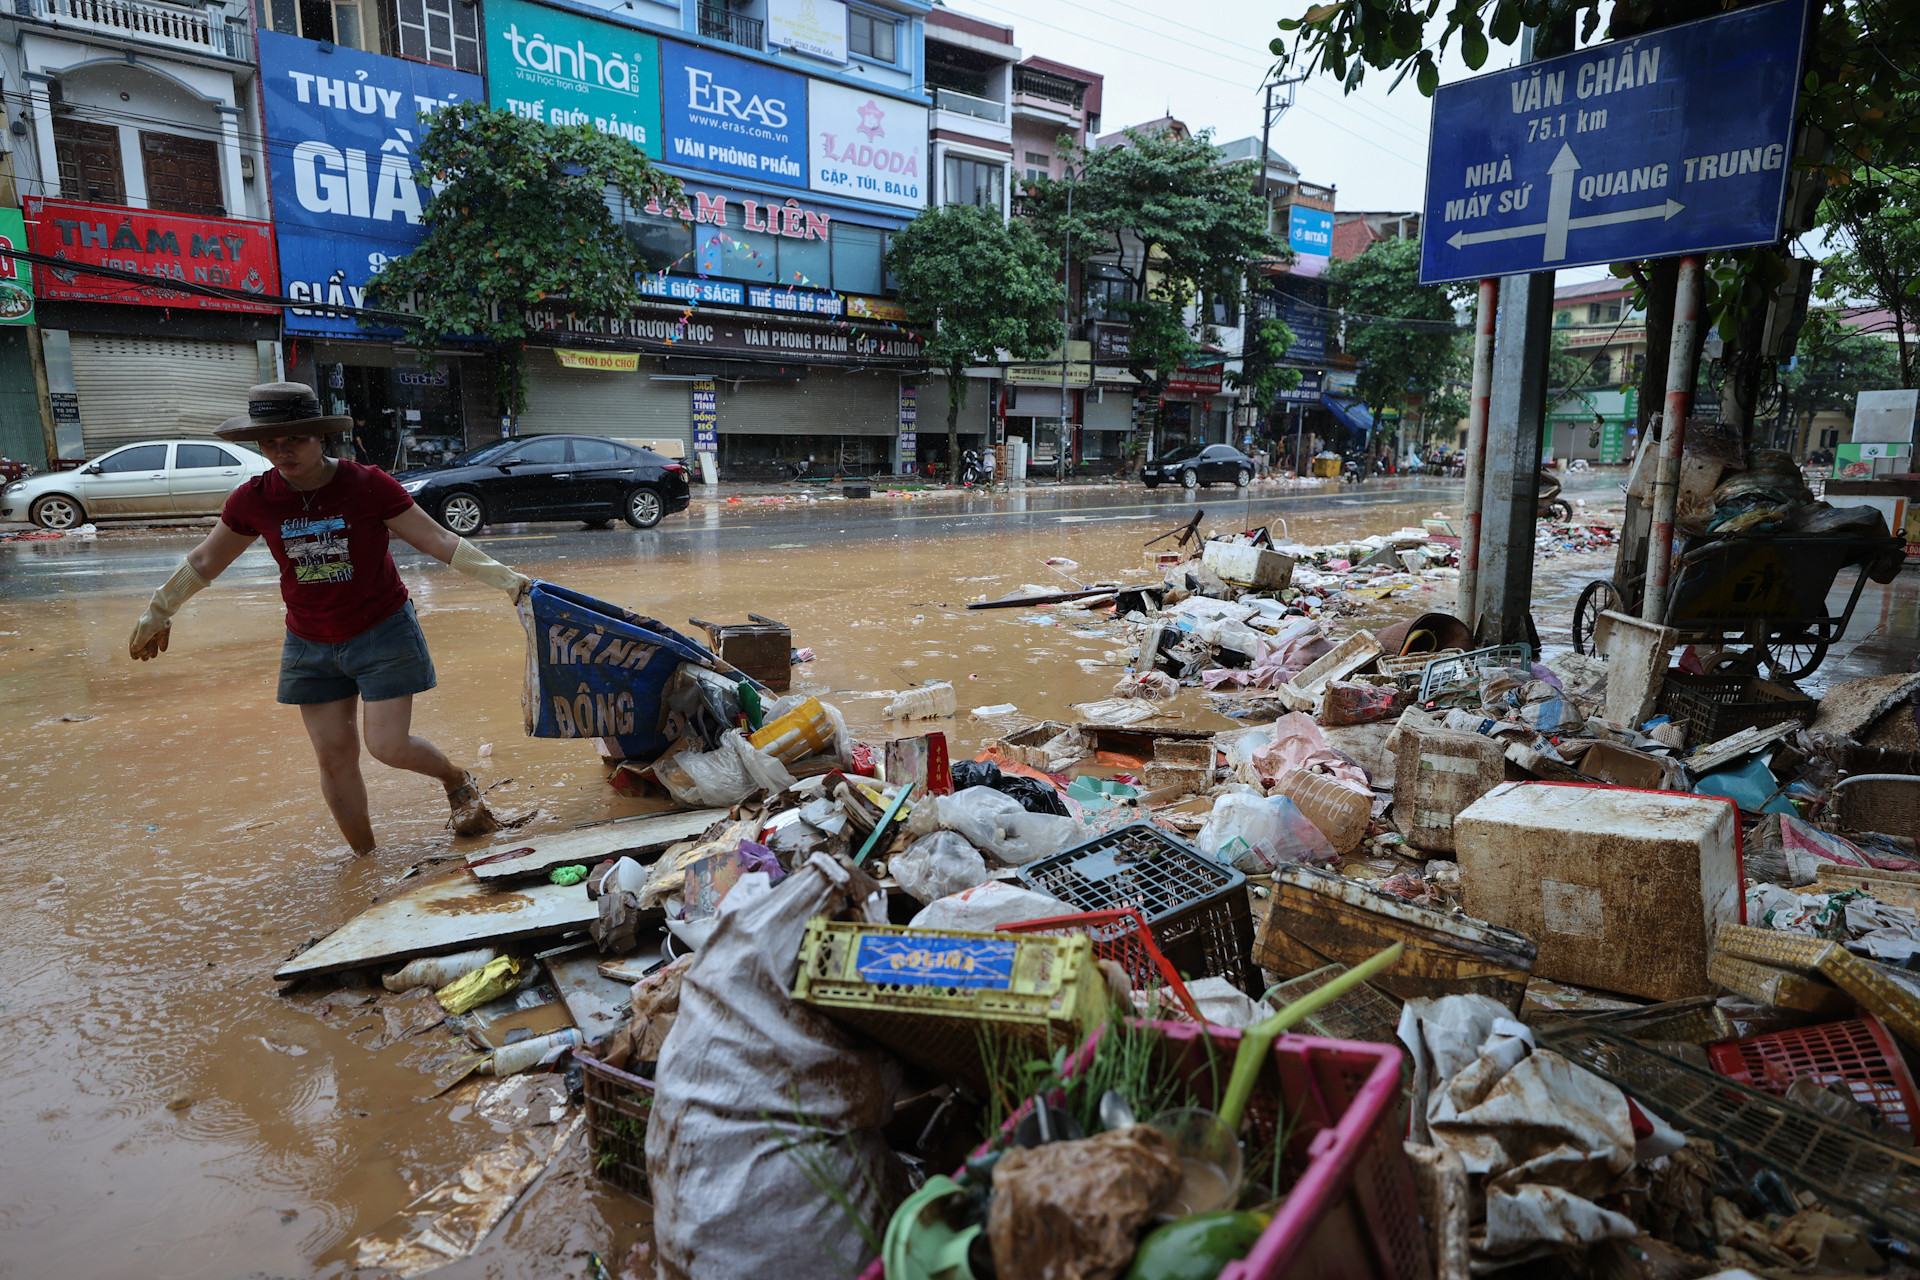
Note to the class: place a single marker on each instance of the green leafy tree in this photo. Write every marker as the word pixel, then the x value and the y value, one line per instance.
pixel 1403 333
pixel 1178 224
pixel 1859 101
pixel 1833 363
pixel 520 217
pixel 974 286
pixel 1878 258
pixel 1261 372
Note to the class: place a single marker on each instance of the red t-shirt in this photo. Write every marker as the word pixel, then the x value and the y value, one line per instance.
pixel 336 574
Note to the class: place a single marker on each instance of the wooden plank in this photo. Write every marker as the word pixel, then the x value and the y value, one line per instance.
pixel 446 915
pixel 628 837
pixel 1733 746
pixel 598 1004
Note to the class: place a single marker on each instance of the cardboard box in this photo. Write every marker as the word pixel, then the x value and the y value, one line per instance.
pixel 1623 890
pixel 1622 766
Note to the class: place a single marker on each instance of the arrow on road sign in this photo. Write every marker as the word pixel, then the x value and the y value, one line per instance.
pixel 1559 210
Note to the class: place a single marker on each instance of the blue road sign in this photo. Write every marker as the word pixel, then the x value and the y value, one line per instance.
pixel 1677 141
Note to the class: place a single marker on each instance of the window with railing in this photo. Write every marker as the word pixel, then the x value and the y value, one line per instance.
pixel 717 22
pixel 968 105
pixel 167 24
pixel 1045 84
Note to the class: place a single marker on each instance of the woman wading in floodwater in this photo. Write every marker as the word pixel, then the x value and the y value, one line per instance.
pixel 352 637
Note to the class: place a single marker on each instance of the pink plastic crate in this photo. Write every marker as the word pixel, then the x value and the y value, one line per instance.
pixel 1352 1212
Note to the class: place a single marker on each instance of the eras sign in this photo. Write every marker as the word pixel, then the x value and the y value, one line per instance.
pixel 866 146
pixel 729 115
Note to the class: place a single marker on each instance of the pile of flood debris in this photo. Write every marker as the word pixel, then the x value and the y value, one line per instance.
pixel 1458 962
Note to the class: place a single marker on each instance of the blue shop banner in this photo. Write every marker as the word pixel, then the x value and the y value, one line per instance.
pixel 727 115
pixel 342 129
pixel 596 670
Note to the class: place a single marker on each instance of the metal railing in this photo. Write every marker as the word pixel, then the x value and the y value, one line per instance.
pixel 968 105
pixel 1054 88
pixel 182 28
pixel 720 23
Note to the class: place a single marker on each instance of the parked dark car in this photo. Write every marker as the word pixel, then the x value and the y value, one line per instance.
pixel 550 477
pixel 1193 465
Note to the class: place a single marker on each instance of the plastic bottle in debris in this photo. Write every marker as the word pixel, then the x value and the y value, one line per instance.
pixel 515 1058
pixel 922 703
pixel 437 971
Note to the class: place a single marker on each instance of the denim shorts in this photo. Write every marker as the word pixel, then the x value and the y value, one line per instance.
pixel 387 660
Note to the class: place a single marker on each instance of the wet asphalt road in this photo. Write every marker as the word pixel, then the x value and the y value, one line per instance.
pixel 130 559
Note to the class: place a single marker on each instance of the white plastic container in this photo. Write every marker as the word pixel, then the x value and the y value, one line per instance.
pixel 516 1058
pixel 922 703
pixel 437 971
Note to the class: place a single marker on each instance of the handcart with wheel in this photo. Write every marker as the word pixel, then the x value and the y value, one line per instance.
pixel 1765 591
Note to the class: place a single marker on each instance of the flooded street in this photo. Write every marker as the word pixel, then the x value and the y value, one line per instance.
pixel 165 847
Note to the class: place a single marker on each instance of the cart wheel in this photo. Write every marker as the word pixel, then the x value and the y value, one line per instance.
pixel 1596 598
pixel 1796 656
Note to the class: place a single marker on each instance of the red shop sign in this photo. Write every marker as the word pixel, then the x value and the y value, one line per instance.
pixel 1204 381
pixel 227 253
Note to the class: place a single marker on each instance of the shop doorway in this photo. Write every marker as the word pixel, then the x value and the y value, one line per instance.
pixel 403 417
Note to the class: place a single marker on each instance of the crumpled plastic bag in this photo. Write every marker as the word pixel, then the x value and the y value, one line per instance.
pixel 986 907
pixel 1035 795
pixel 1546 1137
pixel 1297 743
pixel 1155 685
pixel 724 776
pixel 1070 1210
pixel 725 1144
pixel 996 824
pixel 1257 834
pixel 937 865
pixel 1350 702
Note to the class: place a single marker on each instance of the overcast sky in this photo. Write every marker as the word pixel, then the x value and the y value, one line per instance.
pixel 1205 62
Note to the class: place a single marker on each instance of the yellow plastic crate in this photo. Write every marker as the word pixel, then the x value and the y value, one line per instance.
pixel 1895 1005
pixel 928 994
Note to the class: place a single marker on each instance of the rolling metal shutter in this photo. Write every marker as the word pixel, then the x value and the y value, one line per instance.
pixel 1109 410
pixel 932 409
pixel 825 403
pixel 594 402
pixel 139 388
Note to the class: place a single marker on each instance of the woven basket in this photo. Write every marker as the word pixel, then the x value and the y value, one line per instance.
pixel 1888 803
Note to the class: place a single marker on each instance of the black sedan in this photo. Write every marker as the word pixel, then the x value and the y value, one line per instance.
pixel 1193 465
pixel 550 477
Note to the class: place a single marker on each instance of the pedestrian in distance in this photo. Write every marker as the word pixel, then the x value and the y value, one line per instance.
pixel 353 649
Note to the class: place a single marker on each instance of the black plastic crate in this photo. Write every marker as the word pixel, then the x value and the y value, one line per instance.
pixel 1709 708
pixel 1196 907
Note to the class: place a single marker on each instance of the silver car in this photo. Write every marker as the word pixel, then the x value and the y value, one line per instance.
pixel 156 479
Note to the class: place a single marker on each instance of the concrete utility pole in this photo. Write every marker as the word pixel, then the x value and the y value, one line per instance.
pixel 1466 603
pixel 1516 415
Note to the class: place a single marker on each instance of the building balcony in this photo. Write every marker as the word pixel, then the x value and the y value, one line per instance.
pixel 720 23
pixel 200 31
pixel 967 105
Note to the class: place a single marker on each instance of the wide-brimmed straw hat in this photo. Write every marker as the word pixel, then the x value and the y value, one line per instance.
pixel 277 409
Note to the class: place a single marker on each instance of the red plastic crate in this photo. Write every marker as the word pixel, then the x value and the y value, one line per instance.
pixel 1857 1053
pixel 1122 936
pixel 1352 1212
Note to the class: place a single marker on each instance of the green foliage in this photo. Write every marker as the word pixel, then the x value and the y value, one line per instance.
pixel 1399 364
pixel 1834 362
pixel 520 217
pixel 1261 372
pixel 1180 224
pixel 1128 1059
pixel 973 286
pixel 1878 258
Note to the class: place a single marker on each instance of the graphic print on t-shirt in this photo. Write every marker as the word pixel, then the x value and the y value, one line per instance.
pixel 317 548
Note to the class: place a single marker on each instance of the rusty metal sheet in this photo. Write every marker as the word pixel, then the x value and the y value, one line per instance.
pixel 446 915
pixel 623 837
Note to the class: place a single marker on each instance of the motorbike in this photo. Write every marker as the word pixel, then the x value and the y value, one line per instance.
pixel 971 472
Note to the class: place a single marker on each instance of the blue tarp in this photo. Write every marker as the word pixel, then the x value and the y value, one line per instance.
pixel 1351 413
pixel 595 670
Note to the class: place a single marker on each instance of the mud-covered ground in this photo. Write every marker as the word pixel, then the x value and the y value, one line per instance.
pixel 170 1112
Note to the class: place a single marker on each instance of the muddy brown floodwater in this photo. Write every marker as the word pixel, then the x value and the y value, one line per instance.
pixel 164 847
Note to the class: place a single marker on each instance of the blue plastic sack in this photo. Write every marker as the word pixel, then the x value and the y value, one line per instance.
pixel 1747 784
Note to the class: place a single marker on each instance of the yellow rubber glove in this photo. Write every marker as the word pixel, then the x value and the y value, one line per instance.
pixel 149 639
pixel 481 567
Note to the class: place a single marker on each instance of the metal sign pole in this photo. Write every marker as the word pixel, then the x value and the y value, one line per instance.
pixel 1681 368
pixel 1466 603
